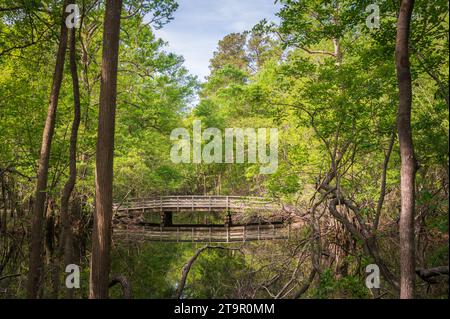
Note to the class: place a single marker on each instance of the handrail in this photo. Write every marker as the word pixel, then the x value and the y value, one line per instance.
pixel 204 234
pixel 197 202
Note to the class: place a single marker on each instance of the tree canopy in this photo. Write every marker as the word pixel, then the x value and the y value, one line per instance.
pixel 324 79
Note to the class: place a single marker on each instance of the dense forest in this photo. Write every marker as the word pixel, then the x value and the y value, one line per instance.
pixel 90 97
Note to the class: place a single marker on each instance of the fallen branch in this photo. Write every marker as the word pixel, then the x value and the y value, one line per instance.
pixel 126 288
pixel 122 201
pixel 429 274
pixel 306 285
pixel 187 267
pixel 10 276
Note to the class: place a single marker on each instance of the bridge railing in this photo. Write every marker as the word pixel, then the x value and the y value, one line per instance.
pixel 198 203
pixel 204 234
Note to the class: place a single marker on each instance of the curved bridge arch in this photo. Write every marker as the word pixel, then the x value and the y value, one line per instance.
pixel 130 225
pixel 198 203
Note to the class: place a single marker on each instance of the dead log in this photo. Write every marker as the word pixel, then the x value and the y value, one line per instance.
pixel 429 275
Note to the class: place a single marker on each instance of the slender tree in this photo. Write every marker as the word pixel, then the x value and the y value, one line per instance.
pixel 66 243
pixel 4 217
pixel 409 164
pixel 101 237
pixel 36 249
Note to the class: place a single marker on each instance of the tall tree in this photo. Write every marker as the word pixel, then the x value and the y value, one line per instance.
pixel 409 164
pixel 101 237
pixel 261 48
pixel 230 51
pixel 35 263
pixel 66 243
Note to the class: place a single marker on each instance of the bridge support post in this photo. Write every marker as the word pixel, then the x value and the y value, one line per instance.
pixel 166 219
pixel 228 219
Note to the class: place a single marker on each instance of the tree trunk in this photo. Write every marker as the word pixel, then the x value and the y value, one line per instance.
pixel 101 237
pixel 4 219
pixel 66 242
pixel 408 166
pixel 36 248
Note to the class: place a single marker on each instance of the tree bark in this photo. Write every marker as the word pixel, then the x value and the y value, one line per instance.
pixel 101 237
pixel 36 248
pixel 124 284
pixel 4 219
pixel 66 238
pixel 304 288
pixel 383 183
pixel 409 165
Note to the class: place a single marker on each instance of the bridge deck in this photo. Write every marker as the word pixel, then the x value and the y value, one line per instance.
pixel 205 234
pixel 129 219
pixel 197 203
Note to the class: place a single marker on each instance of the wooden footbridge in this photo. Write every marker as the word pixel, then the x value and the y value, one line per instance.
pixel 218 219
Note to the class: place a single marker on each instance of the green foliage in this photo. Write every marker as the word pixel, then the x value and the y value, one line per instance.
pixel 350 287
pixel 322 78
pixel 151 268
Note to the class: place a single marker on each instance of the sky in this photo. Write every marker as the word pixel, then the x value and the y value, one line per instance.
pixel 198 26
